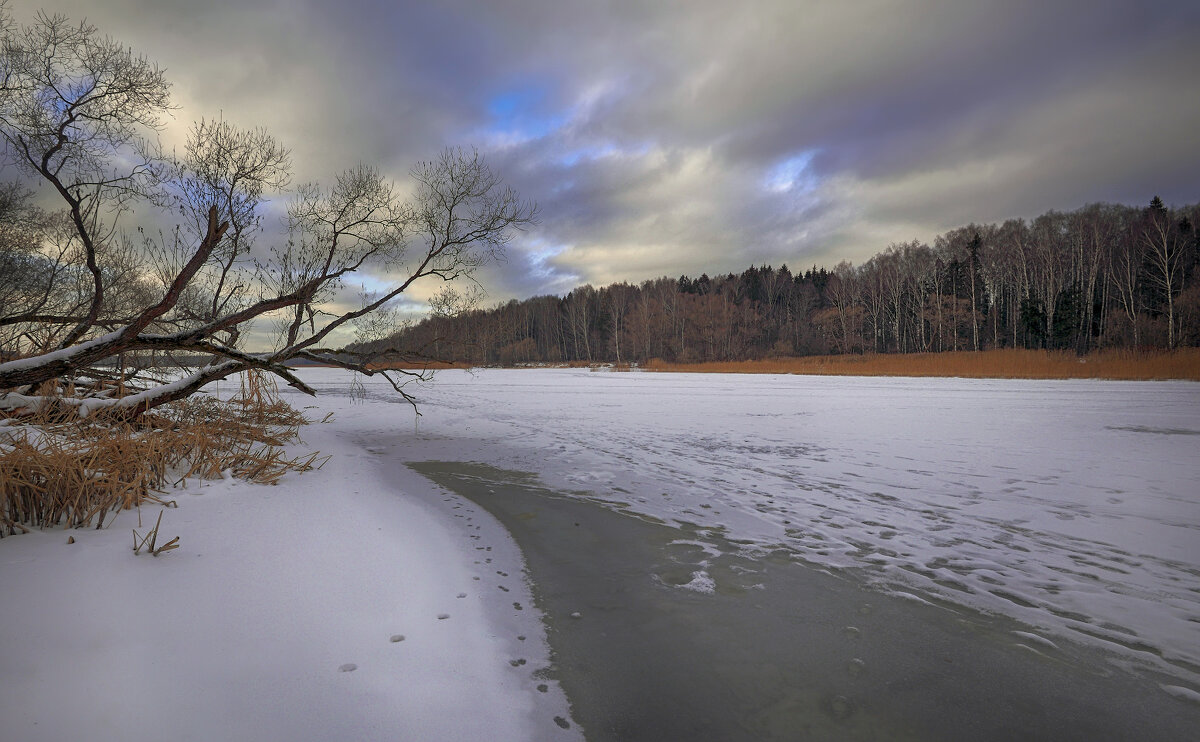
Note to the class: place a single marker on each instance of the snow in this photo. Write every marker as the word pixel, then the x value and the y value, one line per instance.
pixel 1186 694
pixel 85 406
pixel 14 401
pixel 1069 505
pixel 30 435
pixel 360 601
pixel 701 582
pixel 278 617
pixel 131 401
pixel 62 354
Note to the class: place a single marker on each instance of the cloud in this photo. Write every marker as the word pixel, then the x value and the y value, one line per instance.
pixel 687 137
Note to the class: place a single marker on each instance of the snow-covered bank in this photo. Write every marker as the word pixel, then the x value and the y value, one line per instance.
pixel 346 603
pixel 1070 505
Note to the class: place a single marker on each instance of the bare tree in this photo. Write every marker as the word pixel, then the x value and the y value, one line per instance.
pixel 894 284
pixel 75 110
pixel 78 111
pixel 1164 258
pixel 616 299
pixel 995 273
pixel 30 278
pixel 232 168
pixel 844 292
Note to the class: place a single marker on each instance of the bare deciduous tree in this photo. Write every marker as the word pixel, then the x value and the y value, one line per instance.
pixel 79 112
pixel 844 291
pixel 1164 258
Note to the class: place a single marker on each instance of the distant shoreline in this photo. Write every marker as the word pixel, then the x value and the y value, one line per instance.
pixel 1116 365
pixel 1119 365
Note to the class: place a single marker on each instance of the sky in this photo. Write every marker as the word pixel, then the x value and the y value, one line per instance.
pixel 671 137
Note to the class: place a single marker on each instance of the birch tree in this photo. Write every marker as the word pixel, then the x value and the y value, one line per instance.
pixel 1164 257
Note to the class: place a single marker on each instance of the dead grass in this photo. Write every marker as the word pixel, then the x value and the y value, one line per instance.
pixel 57 470
pixel 1001 364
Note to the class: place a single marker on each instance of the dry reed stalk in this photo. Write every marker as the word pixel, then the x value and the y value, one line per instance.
pixel 149 542
pixel 57 469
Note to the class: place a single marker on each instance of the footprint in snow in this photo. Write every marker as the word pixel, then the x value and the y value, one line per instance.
pixel 348 667
pixel 443 616
pixel 396 638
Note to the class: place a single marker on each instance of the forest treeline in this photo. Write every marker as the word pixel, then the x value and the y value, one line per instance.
pixel 1102 276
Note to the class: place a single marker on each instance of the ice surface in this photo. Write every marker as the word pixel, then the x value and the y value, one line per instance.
pixel 1070 505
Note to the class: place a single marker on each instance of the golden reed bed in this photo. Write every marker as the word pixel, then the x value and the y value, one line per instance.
pixel 990 364
pixel 57 469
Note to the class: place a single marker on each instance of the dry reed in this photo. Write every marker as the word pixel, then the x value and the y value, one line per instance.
pixel 1002 364
pixel 60 470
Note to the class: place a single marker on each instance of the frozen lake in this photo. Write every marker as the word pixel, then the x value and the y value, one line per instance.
pixel 1070 506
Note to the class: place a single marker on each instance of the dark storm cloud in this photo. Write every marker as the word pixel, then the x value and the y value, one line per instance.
pixel 670 137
